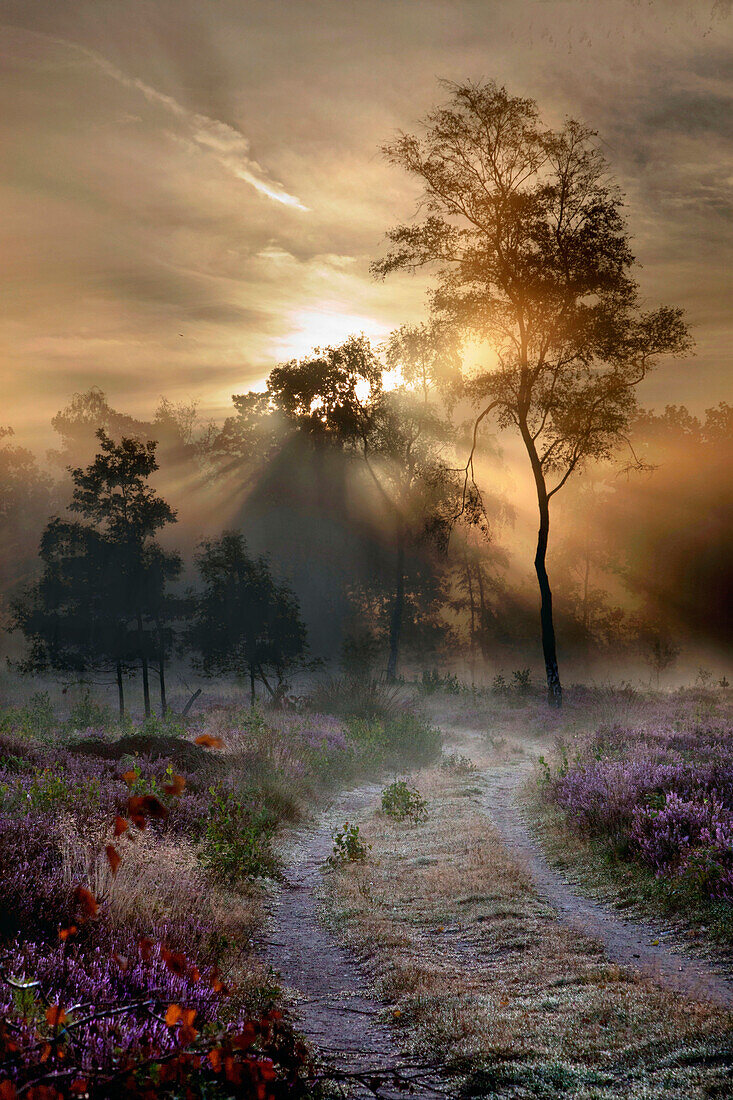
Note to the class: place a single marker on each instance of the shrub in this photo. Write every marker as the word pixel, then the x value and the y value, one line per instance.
pixel 432 682
pixel 37 717
pixel 87 713
pixel 522 681
pixel 356 697
pixel 237 839
pixel 458 763
pixel 402 802
pixel 688 838
pixel 405 737
pixel 348 847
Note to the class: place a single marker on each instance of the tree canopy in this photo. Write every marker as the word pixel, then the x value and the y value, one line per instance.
pixel 530 247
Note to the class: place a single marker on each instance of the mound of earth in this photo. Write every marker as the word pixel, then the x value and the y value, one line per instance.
pixel 183 754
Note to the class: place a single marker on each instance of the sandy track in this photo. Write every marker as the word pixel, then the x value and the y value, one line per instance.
pixel 327 988
pixel 628 943
pixel 329 991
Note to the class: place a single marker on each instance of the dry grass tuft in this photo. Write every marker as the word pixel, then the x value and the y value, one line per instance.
pixel 160 883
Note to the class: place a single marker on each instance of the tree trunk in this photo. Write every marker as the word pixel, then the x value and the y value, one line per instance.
pixel 472 645
pixel 483 614
pixel 586 609
pixel 554 688
pixel 252 692
pixel 190 702
pixel 395 625
pixel 161 673
pixel 161 678
pixel 144 663
pixel 120 691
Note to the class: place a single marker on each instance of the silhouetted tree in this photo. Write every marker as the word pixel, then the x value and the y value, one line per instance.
pixel 25 499
pixel 103 591
pixel 399 436
pixel 533 256
pixel 245 622
pixel 73 616
pixel 114 495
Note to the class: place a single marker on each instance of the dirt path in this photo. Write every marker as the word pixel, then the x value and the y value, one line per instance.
pixel 634 944
pixel 327 989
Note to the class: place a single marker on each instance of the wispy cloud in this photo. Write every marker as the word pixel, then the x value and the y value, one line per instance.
pixel 225 143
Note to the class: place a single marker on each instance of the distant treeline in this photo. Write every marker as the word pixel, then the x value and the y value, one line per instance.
pixel 349 537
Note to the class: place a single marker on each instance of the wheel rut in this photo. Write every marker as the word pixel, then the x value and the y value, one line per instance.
pixel 327 988
pixel 629 943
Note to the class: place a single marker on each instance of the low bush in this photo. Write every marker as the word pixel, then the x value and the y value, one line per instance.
pixel 356 697
pixel 237 841
pixel 403 802
pixel 660 794
pixel 458 763
pixel 348 847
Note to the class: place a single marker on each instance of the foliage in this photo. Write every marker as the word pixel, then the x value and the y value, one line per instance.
pixel 404 802
pixel 87 713
pixel 532 254
pixel 348 847
pixel 245 621
pixel 237 839
pixel 662 796
pixel 458 763
pixel 356 697
pixel 432 681
pixel 101 603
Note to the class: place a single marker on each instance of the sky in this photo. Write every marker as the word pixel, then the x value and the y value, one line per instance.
pixel 193 192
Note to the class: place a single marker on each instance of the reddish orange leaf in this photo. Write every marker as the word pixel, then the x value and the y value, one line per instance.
pixel 78 1087
pixel 7 1090
pixel 130 777
pixel 209 741
pixel 136 812
pixel 187 1034
pixel 153 807
pixel 55 1015
pixel 86 901
pixel 173 1015
pixel 176 961
pixel 113 857
pixel 267 1069
pixel 214 1057
pixel 146 948
pixel 121 826
pixel 176 785
pixel 64 933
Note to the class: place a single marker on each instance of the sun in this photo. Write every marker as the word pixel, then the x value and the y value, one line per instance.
pixel 324 325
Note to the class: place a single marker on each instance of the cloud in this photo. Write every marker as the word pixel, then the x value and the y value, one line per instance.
pixel 224 142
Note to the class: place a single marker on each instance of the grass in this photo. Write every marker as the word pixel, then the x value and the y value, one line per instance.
pixel 167 920
pixel 597 868
pixel 475 971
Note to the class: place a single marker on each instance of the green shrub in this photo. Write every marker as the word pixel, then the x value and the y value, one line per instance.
pixel 456 762
pixel 432 682
pixel 37 717
pixel 87 713
pixel 410 737
pixel 356 697
pixel 403 802
pixel 237 840
pixel 348 847
pixel 522 681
